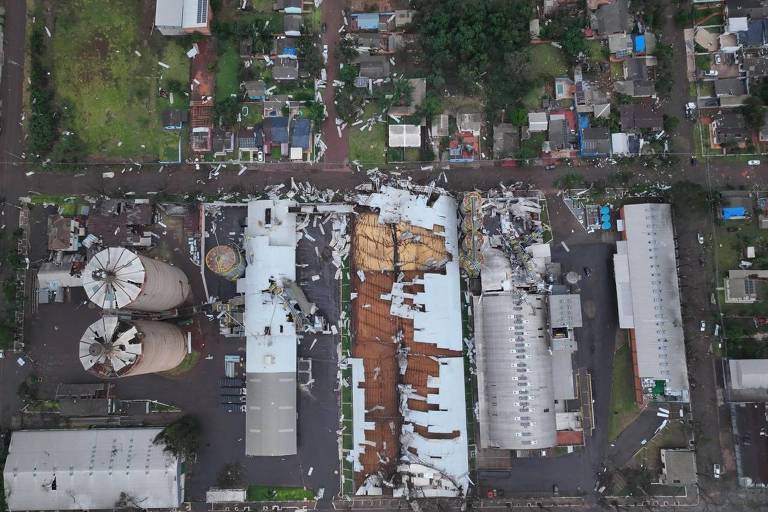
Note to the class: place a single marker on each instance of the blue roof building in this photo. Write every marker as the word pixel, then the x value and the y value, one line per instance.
pixel 640 43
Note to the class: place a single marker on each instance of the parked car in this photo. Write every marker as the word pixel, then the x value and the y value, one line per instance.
pixel 323 28
pixel 260 157
pixel 587 271
pixel 718 59
pixel 711 72
pixel 716 471
pixel 550 167
pixel 701 238
pixel 753 162
pixel 703 326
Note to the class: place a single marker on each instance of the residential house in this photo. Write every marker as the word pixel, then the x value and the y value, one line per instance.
pixel 732 92
pixel 537 122
pixel 276 135
pixel 404 136
pixel 739 12
pixel 590 98
pixel 250 141
pixel 564 88
pixel 756 34
pixel 201 139
pixel 255 90
pixel 301 135
pixel 754 66
pixel 640 117
pixel 63 233
pixel 223 143
pixel 470 122
pixel 372 21
pixel 372 67
pixel 284 47
pixel 292 25
pixel 285 68
pixel 595 142
pixel 418 93
pixel 612 18
pixel 729 129
pixel 559 134
pixel 403 18
pixel 174 119
pixel 506 140
pixel 635 88
pixel 288 6
pixel 180 17
pixel 620 44
pixel 636 68
pixel 377 42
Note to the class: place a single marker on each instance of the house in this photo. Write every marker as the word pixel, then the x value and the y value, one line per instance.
pixel 470 122
pixel 620 44
pixel 288 6
pixel 537 121
pixel 276 134
pixel 754 66
pixel 635 88
pixel 506 140
pixel 292 25
pixel 255 90
pixel 174 119
pixel 559 135
pixel 590 98
pixel 285 68
pixel 201 114
pixel 377 42
pixel 595 142
pixel 418 93
pixel 404 136
pixel 739 12
pixel 640 117
pixel 250 141
pixel 372 21
pixel 745 286
pixel 284 47
pixel 636 68
pixel 440 124
pixel 180 17
pixel 732 92
pixel 63 234
pixel 301 134
pixel 372 67
pixel 756 34
pixel 223 143
pixel 729 129
pixel 613 18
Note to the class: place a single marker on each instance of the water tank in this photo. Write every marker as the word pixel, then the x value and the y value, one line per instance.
pixel 112 348
pixel 119 278
pixel 226 261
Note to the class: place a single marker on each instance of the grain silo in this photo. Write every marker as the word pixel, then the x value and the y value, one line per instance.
pixel 118 278
pixel 226 261
pixel 113 348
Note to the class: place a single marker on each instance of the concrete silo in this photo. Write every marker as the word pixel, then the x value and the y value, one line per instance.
pixel 226 261
pixel 118 278
pixel 112 348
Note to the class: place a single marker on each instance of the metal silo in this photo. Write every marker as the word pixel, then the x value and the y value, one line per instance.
pixel 226 261
pixel 118 278
pixel 113 348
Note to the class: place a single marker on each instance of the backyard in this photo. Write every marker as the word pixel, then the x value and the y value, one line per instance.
pixel 105 68
pixel 368 147
pixel 547 62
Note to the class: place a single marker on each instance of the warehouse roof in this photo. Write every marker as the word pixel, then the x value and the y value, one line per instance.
pixel 748 373
pixel 565 310
pixel 648 294
pixel 270 248
pixel 90 469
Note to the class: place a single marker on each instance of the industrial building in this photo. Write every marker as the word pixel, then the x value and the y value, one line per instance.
pixel 111 347
pixel 270 252
pixel 409 418
pixel 98 469
pixel 524 338
pixel 117 278
pixel 648 296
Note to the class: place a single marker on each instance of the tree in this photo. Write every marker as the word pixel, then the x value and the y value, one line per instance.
pixel 309 54
pixel 567 30
pixel 182 437
pixel 226 110
pixel 315 111
pixel 670 123
pixel 752 110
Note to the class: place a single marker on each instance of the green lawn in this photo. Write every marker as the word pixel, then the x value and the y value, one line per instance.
pixel 227 72
pixel 547 62
pixel 266 493
pixel 254 116
pixel 368 147
pixel 623 406
pixel 67 204
pixel 596 51
pixel 617 71
pixel 112 90
pixel 532 99
pixel 314 20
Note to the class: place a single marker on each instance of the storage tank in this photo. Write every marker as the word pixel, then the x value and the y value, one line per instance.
pixel 118 278
pixel 112 348
pixel 226 261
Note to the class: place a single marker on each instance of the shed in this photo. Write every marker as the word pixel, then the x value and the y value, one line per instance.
pixel 255 90
pixel 537 121
pixel 404 136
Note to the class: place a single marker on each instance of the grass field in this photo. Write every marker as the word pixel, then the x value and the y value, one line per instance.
pixel 596 51
pixel 547 62
pixel 265 493
pixel 227 71
pixel 111 89
pixel 368 147
pixel 623 406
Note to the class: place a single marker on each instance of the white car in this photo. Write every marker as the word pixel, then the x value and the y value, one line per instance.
pixel 701 238
pixel 716 471
pixel 711 73
pixel 718 59
pixel 325 53
pixel 260 156
pixel 703 326
pixel 753 162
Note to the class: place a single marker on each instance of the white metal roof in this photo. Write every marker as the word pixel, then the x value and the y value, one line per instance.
pixel 749 373
pixel 169 13
pixel 270 251
pixel 619 144
pixel 359 425
pixel 652 285
pixel 89 470
pixel 100 345
pixel 113 278
pixel 195 13
pixel 404 136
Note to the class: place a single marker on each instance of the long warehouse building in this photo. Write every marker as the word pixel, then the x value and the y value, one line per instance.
pixel 648 299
